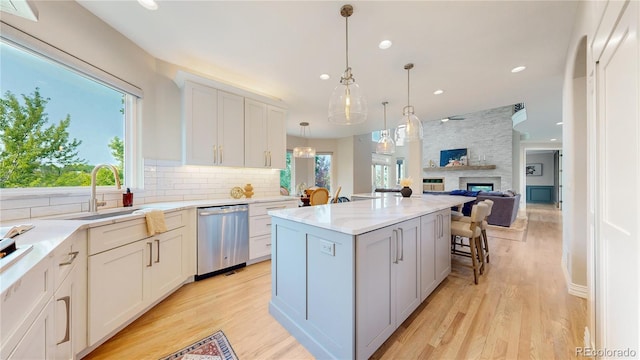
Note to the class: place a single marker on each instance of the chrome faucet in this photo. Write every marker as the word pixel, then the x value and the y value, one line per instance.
pixel 93 201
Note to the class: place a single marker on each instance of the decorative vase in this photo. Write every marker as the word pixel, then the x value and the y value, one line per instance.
pixel 248 191
pixel 406 191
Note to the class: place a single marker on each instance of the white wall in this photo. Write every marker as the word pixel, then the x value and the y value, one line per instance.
pixel 344 168
pixel 547 178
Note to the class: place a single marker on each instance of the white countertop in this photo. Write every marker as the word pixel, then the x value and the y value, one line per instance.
pixel 358 217
pixel 50 232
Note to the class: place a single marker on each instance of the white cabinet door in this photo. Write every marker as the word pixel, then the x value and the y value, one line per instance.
pixel 375 289
pixel 428 229
pixel 119 287
pixel 277 137
pixel 265 135
pixel 200 127
pixel 38 342
pixel 166 269
pixel 255 121
pixel 230 131
pixel 407 275
pixel 443 246
pixel 64 305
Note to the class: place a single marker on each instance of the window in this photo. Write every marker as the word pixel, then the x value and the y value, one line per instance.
pixel 323 171
pixel 380 176
pixel 57 123
pixel 286 174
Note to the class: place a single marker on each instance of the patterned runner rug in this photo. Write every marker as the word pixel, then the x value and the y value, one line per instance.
pixel 213 347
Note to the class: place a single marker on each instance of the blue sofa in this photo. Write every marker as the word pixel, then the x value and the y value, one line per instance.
pixel 505 204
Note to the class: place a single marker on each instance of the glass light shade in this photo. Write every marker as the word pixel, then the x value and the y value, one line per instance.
pixel 304 152
pixel 385 145
pixel 347 105
pixel 411 126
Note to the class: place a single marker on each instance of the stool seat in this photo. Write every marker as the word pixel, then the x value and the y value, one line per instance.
pixel 461 228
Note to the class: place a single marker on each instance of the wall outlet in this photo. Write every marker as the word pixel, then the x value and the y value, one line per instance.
pixel 328 248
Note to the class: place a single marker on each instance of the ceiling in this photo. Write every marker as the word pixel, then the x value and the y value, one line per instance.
pixel 466 48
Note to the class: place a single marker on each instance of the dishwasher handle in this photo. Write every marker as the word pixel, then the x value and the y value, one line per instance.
pixel 222 210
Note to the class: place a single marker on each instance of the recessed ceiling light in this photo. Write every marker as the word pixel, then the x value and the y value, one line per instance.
pixel 444 119
pixel 385 44
pixel 438 92
pixel 559 123
pixel 148 4
pixel 325 77
pixel 554 139
pixel 517 69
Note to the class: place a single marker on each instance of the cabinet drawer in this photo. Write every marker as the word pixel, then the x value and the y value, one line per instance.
pixel 110 236
pixel 259 225
pixel 22 302
pixel 66 256
pixel 259 246
pixel 262 208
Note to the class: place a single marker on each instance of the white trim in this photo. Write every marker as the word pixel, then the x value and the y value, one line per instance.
pixel 24 41
pixel 572 288
pixel 182 76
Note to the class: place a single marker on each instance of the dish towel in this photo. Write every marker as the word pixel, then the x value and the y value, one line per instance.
pixel 155 220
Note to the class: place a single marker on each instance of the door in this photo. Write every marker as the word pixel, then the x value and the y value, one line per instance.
pixel 407 269
pixel 427 255
pixel 119 286
pixel 167 262
pixel 200 127
pixel 255 134
pixel 230 129
pixel 375 288
pixel 443 245
pixel 38 342
pixel 277 137
pixel 617 179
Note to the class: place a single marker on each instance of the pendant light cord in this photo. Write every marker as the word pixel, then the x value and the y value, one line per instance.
pixel 385 114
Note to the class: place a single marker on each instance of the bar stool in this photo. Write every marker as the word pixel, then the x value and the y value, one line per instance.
pixel 473 233
pixel 483 228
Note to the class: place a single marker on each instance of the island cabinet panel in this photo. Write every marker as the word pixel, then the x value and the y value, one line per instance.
pixel 313 287
pixel 387 278
pixel 435 250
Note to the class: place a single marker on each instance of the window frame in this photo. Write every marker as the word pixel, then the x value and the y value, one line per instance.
pixel 133 95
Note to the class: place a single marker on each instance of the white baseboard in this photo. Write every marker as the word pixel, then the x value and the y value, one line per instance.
pixel 574 289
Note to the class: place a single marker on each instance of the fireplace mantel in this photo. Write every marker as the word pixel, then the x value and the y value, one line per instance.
pixel 459 168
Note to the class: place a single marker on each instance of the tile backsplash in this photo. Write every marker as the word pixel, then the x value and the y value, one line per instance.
pixel 163 181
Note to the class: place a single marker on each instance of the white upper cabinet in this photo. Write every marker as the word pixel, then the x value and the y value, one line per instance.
pixel 226 126
pixel 265 135
pixel 213 126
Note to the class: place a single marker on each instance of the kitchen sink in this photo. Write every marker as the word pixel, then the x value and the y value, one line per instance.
pixel 93 216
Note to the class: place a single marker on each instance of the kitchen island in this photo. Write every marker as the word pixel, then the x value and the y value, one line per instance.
pixel 345 276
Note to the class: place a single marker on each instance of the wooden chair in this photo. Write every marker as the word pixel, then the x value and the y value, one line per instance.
pixel 472 232
pixel 319 196
pixel 336 195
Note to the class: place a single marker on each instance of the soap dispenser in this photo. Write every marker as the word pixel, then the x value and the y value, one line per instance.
pixel 127 198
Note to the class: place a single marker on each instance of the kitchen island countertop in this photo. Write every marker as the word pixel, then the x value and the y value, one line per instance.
pixel 382 209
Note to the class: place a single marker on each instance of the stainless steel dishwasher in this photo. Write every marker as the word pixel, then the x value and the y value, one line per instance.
pixel 223 239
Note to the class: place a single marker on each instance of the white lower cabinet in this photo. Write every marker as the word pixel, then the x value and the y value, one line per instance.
pixel 126 280
pixel 387 278
pixel 38 342
pixel 260 228
pixel 435 250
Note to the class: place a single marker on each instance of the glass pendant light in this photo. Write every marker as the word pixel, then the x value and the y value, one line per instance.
pixel 385 145
pixel 410 127
pixel 347 105
pixel 304 152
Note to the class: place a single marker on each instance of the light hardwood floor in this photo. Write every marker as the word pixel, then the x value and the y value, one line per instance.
pixel 519 310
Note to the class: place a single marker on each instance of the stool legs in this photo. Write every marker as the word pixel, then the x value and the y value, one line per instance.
pixel 485 245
